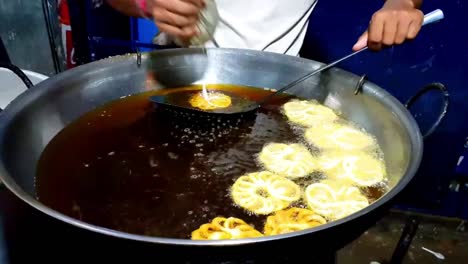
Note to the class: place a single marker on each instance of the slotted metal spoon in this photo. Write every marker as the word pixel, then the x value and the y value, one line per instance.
pixel 247 105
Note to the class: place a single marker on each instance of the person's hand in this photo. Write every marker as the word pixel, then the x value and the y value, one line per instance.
pixel 395 22
pixel 177 18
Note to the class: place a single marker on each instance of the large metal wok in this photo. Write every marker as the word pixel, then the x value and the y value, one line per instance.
pixel 35 117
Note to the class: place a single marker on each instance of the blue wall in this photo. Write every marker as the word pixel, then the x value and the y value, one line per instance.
pixel 146 31
pixel 439 54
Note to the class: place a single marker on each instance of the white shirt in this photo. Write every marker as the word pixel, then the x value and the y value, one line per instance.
pixel 268 25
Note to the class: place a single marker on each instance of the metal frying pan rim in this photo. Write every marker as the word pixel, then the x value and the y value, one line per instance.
pixel 371 89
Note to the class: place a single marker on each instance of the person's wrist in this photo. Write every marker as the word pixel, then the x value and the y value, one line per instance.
pixel 400 3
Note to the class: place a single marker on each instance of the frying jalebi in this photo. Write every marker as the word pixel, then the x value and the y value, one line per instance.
pixel 339 136
pixel 355 167
pixel 225 228
pixel 264 192
pixel 334 200
pixel 290 160
pixel 210 100
pixel 308 113
pixel 291 220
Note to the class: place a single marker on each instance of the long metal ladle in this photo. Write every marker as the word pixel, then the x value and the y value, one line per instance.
pixel 250 106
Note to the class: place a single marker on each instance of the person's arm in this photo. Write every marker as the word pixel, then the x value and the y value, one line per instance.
pixel 178 18
pixel 128 7
pixel 395 22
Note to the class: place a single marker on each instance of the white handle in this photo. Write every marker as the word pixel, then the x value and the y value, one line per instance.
pixel 433 16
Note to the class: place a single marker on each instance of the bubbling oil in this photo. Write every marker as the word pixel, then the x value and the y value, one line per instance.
pixel 131 167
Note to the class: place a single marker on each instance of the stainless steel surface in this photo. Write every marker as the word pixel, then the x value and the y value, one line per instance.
pixel 24 33
pixel 35 117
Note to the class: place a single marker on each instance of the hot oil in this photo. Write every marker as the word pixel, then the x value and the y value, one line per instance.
pixel 131 167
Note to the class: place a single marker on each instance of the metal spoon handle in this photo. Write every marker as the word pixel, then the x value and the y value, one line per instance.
pixel 429 18
pixel 433 16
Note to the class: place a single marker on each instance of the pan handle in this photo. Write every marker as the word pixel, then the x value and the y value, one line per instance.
pixel 430 87
pixel 18 73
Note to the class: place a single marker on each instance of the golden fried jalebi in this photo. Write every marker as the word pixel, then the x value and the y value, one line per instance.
pixel 210 100
pixel 289 160
pixel 225 228
pixel 264 192
pixel 339 136
pixel 291 220
pixel 334 200
pixel 308 113
pixel 356 167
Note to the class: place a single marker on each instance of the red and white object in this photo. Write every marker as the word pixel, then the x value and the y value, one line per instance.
pixel 67 40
